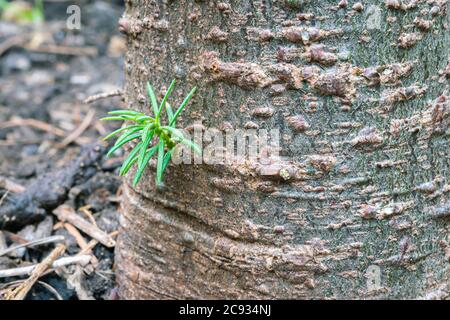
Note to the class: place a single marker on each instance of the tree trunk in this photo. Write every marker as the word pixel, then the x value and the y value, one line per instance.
pixel 357 206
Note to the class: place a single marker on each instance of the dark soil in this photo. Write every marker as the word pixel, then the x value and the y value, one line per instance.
pixel 51 88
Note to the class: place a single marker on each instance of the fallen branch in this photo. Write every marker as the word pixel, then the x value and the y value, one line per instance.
pixel 21 291
pixel 49 191
pixel 65 213
pixel 82 260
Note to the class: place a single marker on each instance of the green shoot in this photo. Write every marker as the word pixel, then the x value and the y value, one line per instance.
pixel 154 135
pixel 22 12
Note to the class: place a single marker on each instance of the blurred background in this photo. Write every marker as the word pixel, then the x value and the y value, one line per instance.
pixel 47 70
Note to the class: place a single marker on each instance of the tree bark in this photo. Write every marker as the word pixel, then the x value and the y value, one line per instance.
pixel 360 94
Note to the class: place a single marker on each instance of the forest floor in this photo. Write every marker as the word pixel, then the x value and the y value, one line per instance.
pixel 46 73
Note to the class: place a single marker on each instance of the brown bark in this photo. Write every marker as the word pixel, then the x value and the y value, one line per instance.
pixel 364 116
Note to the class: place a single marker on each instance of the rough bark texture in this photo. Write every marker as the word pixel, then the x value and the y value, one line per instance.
pixel 364 115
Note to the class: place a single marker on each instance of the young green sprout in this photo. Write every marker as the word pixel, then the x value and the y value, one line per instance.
pixel 154 135
pixel 21 12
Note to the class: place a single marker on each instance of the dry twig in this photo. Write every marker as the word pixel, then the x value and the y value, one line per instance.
pixel 3 245
pixel 80 241
pixel 20 292
pixel 16 283
pixel 11 185
pixel 13 42
pixel 66 213
pixel 64 50
pixel 105 95
pixel 32 244
pixel 79 131
pixel 88 213
pixel 35 124
pixel 94 242
pixel 4 197
pixel 82 260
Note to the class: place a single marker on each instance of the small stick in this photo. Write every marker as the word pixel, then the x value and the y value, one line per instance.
pixel 58 225
pixel 100 128
pixel 76 234
pixel 10 142
pixel 41 126
pixel 65 50
pixel 35 124
pixel 16 283
pixel 79 131
pixel 51 289
pixel 4 197
pixel 104 95
pixel 20 292
pixel 12 42
pixel 94 242
pixel 3 245
pixel 11 185
pixel 82 260
pixel 66 213
pixel 80 241
pixel 15 238
pixel 32 244
pixel 88 213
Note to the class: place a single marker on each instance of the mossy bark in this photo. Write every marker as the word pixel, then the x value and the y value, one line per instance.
pixel 360 94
